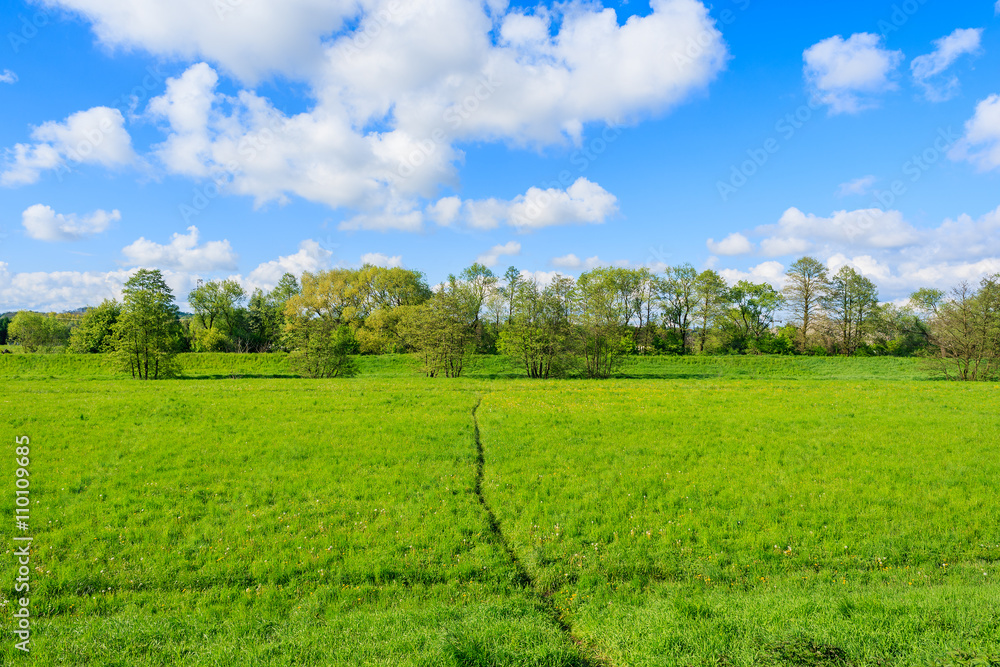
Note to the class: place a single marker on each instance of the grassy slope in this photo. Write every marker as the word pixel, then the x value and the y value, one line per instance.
pixel 741 521
pixel 210 365
pixel 276 522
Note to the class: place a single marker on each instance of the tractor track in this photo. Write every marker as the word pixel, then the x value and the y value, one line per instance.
pixel 524 578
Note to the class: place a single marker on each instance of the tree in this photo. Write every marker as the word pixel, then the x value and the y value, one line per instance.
pixel 966 331
pixel 751 314
pixel 807 288
pixel 601 321
pixel 678 300
pixel 4 324
pixel 851 302
pixel 443 329
pixel 711 296
pixel 539 337
pixel 95 333
pixel 147 332
pixel 218 302
pixel 322 349
pixel 36 332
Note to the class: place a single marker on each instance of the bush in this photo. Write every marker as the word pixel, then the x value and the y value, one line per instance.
pixel 323 350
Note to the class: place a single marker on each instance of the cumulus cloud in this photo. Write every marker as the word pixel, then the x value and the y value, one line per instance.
pixel 734 244
pixel 981 143
pixel 583 202
pixel 8 77
pixel 884 247
pixel 572 262
pixel 182 253
pixel 859 186
pixel 43 223
pixel 60 291
pixel 310 257
pixel 767 272
pixel 398 87
pixel 94 136
pixel 927 69
pixel 491 257
pixel 252 40
pixel 378 259
pixel 848 75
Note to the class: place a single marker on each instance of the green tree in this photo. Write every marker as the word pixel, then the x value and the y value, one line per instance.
pixel 966 332
pixel 322 349
pixel 147 332
pixel 217 305
pixel 4 324
pixel 443 329
pixel 805 293
pixel 36 332
pixel 852 303
pixel 751 314
pixel 678 299
pixel 539 337
pixel 601 320
pixel 95 333
pixel 711 296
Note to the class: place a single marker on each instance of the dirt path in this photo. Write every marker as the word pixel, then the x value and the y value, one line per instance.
pixel 524 578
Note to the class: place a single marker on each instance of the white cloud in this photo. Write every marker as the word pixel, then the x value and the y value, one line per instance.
pixel 859 186
pixel 8 77
pixel 43 223
pixel 981 143
pixel 491 257
pixel 310 257
pixel 772 273
pixel 400 86
pixel 734 244
pixel 779 247
pixel 95 136
pixel 864 227
pixel 926 69
pixel 60 291
pixel 253 40
pixel 847 75
pixel 378 259
pixel 881 245
pixel 572 262
pixel 182 253
pixel 583 202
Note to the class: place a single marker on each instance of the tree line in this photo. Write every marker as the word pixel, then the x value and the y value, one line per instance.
pixel 585 326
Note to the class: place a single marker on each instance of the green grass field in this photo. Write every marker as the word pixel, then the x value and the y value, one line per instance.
pixel 726 512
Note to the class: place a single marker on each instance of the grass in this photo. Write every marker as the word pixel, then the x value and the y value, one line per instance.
pixel 746 512
pixel 277 522
pixel 743 522
pixel 484 367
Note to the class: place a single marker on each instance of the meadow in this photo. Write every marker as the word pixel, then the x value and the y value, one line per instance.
pixel 729 512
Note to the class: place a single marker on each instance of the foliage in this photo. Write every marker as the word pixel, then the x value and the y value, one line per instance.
pixel 36 332
pixel 679 298
pixel 95 332
pixel 322 349
pixel 965 329
pixel 751 314
pixel 852 303
pixel 147 332
pixel 4 324
pixel 601 320
pixel 539 335
pixel 806 291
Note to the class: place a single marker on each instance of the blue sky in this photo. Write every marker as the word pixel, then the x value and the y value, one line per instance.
pixel 245 138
